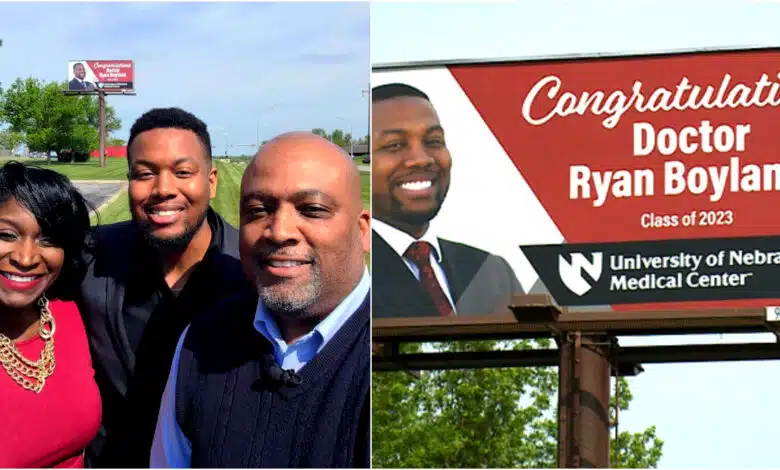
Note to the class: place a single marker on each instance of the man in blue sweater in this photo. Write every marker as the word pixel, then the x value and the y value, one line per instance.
pixel 281 379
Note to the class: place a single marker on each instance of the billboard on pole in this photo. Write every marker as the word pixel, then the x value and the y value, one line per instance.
pixel 110 76
pixel 621 183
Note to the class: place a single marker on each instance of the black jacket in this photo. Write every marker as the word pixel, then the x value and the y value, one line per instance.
pixel 101 304
pixel 480 283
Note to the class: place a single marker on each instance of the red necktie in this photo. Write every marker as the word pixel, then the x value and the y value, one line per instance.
pixel 420 254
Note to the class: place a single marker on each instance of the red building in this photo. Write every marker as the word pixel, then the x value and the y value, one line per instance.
pixel 111 152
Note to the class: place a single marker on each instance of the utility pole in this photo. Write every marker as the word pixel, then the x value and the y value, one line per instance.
pixel 351 137
pixel 1 83
pixel 368 94
pixel 102 126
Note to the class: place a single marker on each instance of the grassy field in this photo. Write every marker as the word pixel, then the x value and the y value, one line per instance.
pixel 226 202
pixel 228 187
pixel 116 168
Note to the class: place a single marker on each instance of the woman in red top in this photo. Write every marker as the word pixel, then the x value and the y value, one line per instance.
pixel 49 403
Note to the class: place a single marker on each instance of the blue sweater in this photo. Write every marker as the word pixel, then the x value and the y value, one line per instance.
pixel 237 413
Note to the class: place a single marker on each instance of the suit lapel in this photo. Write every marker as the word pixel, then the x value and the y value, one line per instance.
pixel 397 293
pixel 459 275
pixel 122 255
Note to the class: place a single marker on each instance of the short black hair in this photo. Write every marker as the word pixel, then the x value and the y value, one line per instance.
pixel 396 90
pixel 170 118
pixel 77 63
pixel 61 212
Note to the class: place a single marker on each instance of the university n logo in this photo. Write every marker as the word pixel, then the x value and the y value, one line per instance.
pixel 571 273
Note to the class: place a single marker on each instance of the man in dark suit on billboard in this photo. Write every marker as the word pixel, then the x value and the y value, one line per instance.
pixel 78 82
pixel 417 272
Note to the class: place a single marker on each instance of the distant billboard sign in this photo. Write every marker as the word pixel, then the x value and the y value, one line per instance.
pixel 622 183
pixel 111 76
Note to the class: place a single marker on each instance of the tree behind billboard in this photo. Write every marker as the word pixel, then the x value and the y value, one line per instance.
pixel 482 418
pixel 50 121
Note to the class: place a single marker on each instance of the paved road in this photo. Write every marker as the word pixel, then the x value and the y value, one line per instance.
pixel 364 168
pixel 98 193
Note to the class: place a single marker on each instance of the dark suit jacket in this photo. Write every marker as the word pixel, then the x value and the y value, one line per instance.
pixel 480 283
pixel 77 85
pixel 101 302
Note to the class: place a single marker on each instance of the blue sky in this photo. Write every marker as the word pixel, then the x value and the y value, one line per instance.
pixel 289 66
pixel 709 415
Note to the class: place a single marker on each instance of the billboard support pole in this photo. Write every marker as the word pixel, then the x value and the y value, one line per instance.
pixel 102 126
pixel 583 400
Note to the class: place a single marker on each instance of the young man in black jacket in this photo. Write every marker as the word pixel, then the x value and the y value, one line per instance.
pixel 147 277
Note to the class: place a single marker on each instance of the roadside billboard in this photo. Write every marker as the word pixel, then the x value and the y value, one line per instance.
pixel 612 183
pixel 111 76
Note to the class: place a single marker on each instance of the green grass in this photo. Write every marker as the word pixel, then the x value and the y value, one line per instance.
pixel 116 168
pixel 226 202
pixel 228 186
pixel 117 211
pixel 365 180
pixel 228 190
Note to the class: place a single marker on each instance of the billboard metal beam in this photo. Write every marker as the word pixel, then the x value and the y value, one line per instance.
pixel 629 357
pixel 583 401
pixel 535 316
pixel 423 64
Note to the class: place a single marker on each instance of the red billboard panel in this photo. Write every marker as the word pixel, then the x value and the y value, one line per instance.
pixel 636 182
pixel 110 76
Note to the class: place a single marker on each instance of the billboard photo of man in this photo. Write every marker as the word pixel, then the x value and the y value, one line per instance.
pixel 79 82
pixel 419 273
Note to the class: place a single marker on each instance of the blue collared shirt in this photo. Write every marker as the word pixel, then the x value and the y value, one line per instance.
pixel 171 448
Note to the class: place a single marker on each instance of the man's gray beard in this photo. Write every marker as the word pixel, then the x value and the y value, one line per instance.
pixel 179 242
pixel 291 301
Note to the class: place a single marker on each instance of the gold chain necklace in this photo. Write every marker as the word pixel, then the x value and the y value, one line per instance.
pixel 29 374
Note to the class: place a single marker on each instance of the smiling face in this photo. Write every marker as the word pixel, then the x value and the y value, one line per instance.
pixel 29 263
pixel 303 230
pixel 79 71
pixel 171 184
pixel 410 163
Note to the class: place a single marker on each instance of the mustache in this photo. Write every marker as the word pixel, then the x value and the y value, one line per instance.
pixel 267 251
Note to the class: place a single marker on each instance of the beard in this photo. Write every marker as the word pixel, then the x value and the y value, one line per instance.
pixel 291 300
pixel 418 218
pixel 175 243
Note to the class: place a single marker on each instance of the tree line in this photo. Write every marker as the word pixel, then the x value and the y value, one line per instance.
pixel 484 418
pixel 38 115
pixel 339 137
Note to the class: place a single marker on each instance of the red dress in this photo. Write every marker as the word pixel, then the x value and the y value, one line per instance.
pixel 52 428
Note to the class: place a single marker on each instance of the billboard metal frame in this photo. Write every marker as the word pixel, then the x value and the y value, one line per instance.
pixel 116 91
pixel 536 316
pixel 587 352
pixel 423 64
